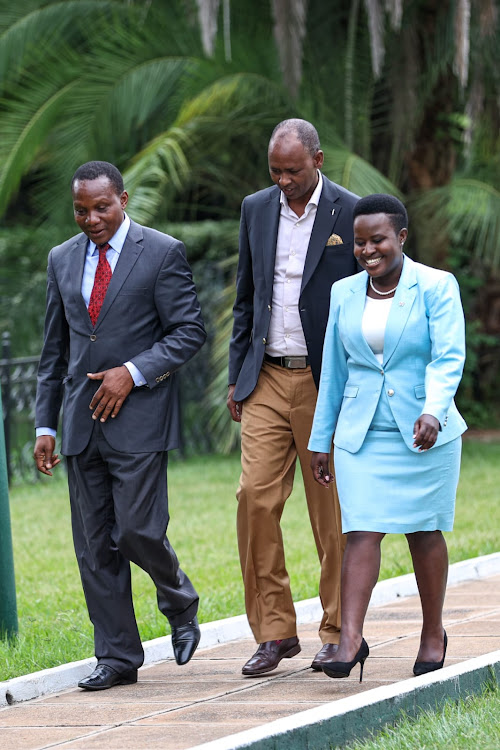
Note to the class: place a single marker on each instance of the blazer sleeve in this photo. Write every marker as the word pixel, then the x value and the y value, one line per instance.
pixel 53 365
pixel 447 334
pixel 180 315
pixel 243 306
pixel 334 375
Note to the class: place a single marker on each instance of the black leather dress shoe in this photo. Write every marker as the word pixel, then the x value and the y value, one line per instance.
pixel 104 677
pixel 185 639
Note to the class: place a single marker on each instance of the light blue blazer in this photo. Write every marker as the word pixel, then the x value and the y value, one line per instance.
pixel 423 359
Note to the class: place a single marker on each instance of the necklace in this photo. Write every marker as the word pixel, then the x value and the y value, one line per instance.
pixel 382 294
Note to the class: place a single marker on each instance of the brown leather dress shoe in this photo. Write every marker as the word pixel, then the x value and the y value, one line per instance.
pixel 325 654
pixel 269 654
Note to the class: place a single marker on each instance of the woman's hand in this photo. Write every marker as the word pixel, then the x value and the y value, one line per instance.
pixel 425 432
pixel 320 470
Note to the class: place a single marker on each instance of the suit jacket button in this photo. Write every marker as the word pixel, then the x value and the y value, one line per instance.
pixel 93 337
pixel 390 392
pixel 269 308
pixel 264 341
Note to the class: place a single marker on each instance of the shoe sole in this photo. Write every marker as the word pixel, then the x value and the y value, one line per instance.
pixel 316 665
pixel 292 652
pixel 331 673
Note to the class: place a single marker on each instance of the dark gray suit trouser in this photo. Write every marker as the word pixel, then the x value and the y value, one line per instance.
pixel 119 511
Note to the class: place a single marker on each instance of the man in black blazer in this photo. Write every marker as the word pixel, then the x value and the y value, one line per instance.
pixel 122 317
pixel 295 242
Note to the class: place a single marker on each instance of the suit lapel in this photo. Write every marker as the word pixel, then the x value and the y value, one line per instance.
pixel 77 263
pixel 130 252
pixel 269 229
pixel 327 214
pixel 400 308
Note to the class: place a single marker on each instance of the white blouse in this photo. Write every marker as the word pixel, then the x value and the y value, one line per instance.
pixel 374 324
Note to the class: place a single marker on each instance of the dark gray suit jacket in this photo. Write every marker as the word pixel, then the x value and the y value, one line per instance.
pixel 324 264
pixel 150 316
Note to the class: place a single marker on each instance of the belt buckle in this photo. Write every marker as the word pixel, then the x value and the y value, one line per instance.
pixel 295 363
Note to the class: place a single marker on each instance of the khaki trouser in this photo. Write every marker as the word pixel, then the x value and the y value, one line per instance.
pixel 275 427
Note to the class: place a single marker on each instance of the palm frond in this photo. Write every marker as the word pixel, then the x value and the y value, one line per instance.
pixel 162 161
pixel 467 210
pixel 356 174
pixel 27 29
pixel 25 127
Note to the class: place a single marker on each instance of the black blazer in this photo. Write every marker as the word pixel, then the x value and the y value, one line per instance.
pixel 150 316
pixel 324 265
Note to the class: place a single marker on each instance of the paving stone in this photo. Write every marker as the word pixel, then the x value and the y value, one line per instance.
pixel 175 708
pixel 166 737
pixel 36 738
pixel 75 715
pixel 477 628
pixel 231 713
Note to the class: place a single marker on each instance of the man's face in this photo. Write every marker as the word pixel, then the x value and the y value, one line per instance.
pixel 293 168
pixel 97 208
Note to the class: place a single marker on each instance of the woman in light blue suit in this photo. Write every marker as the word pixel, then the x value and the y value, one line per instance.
pixel 393 358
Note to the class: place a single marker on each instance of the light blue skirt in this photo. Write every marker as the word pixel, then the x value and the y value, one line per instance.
pixel 388 488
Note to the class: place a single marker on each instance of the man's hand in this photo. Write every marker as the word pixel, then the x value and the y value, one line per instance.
pixel 425 432
pixel 235 407
pixel 114 389
pixel 44 455
pixel 320 470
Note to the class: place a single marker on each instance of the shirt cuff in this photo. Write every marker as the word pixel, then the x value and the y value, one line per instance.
pixel 39 431
pixel 136 374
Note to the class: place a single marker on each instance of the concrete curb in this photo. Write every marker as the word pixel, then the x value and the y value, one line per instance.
pixel 347 719
pixel 66 676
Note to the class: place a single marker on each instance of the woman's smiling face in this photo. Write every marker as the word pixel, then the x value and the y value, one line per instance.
pixel 378 248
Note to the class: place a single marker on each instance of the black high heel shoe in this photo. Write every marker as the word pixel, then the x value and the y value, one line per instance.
pixel 423 667
pixel 343 668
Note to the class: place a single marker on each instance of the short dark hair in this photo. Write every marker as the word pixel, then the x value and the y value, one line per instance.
pixel 94 169
pixel 305 132
pixel 380 203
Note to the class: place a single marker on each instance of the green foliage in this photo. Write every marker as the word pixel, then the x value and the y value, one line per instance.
pixel 471 722
pixel 53 622
pixel 128 82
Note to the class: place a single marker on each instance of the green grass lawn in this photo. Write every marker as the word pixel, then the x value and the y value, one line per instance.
pixel 53 623
pixel 468 724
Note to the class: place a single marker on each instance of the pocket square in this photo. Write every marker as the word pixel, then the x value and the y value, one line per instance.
pixel 334 239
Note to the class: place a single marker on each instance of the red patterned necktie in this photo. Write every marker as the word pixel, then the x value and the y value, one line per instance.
pixel 101 282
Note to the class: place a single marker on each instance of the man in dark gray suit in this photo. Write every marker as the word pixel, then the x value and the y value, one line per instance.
pixel 295 241
pixel 122 317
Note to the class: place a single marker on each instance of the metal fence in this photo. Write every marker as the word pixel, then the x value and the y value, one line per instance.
pixel 18 381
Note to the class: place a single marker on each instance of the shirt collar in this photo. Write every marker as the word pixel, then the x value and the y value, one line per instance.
pixel 117 240
pixel 313 200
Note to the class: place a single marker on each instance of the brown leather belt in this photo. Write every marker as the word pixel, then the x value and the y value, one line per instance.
pixel 291 363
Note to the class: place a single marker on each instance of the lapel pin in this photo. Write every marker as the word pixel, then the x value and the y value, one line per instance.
pixel 333 211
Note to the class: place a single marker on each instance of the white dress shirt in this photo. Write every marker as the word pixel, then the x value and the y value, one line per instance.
pixel 286 337
pixel 374 323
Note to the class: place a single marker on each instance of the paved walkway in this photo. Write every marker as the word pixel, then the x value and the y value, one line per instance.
pixel 177 708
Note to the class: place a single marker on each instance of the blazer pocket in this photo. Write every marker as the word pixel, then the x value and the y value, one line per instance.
pixel 351 391
pixel 420 391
